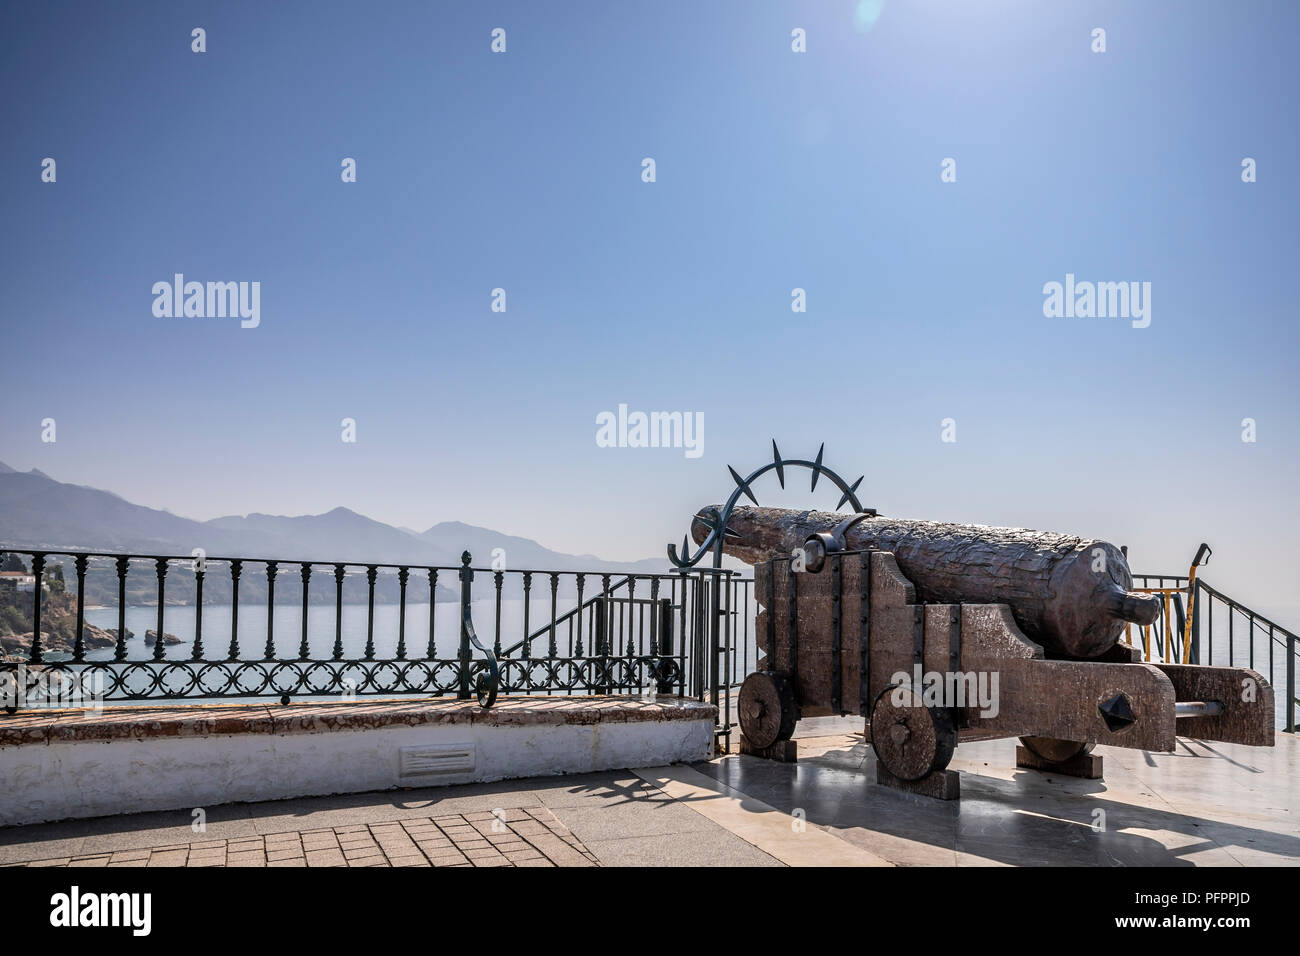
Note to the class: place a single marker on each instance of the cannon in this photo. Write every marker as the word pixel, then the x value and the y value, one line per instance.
pixel 939 633
pixel 1072 595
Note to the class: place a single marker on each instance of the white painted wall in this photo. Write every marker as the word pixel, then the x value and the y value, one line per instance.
pixel 45 782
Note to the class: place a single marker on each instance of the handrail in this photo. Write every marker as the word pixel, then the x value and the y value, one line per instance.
pixel 545 628
pixel 57 552
pixel 485 689
pixel 1255 616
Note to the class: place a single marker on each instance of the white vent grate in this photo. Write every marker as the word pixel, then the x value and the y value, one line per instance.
pixel 435 759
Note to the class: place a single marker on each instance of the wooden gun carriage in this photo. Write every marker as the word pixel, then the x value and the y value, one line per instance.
pixel 938 634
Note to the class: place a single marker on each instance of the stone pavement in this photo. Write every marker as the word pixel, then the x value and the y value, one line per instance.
pixel 1206 804
pixel 621 819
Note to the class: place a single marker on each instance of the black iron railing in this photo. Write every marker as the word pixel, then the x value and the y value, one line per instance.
pixel 668 633
pixel 1202 625
pixel 688 632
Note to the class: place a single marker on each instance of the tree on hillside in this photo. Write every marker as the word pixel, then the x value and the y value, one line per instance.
pixel 12 562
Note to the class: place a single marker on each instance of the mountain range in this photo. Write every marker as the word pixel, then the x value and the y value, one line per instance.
pixel 36 511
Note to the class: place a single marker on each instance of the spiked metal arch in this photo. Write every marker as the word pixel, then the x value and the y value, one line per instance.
pixel 717 522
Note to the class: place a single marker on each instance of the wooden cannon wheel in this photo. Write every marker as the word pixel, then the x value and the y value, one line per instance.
pixel 767 711
pixel 911 740
pixel 1054 749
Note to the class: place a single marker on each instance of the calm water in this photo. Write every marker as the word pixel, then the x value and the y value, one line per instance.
pixel 321 630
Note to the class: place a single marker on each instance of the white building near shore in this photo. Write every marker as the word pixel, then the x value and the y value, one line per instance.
pixel 20 580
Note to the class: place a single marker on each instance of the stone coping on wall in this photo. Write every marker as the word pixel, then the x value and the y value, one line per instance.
pixel 206 720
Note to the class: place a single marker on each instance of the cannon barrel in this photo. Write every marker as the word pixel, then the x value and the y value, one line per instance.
pixel 1071 595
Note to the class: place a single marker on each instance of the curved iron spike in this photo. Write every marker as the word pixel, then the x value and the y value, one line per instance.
pixel 688 560
pixel 744 485
pixel 850 493
pixel 717 521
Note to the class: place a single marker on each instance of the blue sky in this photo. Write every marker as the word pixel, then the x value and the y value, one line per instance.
pixel 775 170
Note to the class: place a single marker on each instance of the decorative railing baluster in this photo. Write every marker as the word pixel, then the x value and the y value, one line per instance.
pixel 466 579
pixel 664 660
pixel 602 659
pixel 120 651
pixel 79 642
pixel 371 573
pixel 552 650
pixel 199 574
pixel 590 663
pixel 497 578
pixel 699 594
pixel 340 572
pixel 402 575
pixel 683 632
pixel 38 573
pixel 305 572
pixel 580 580
pixel 602 635
pixel 236 567
pixel 433 603
pixel 726 657
pixel 654 616
pixel 623 628
pixel 636 659
pixel 627 631
pixel 528 587
pixel 269 653
pixel 160 645
pixel 652 664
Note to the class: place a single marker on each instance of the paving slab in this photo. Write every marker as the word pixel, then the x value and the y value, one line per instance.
pixel 787 837
pixel 712 848
pixel 633 819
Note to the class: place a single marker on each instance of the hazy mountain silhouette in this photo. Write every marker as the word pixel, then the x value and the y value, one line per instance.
pixel 37 511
